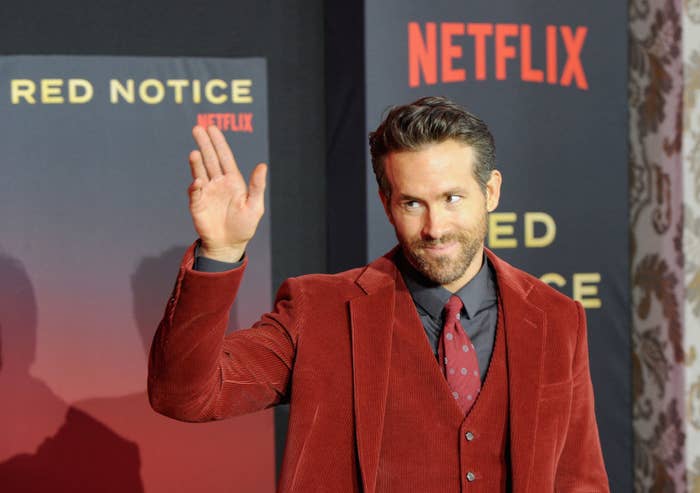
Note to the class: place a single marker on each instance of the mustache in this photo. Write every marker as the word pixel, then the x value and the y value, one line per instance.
pixel 432 242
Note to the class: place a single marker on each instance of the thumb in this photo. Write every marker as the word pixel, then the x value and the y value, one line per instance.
pixel 256 187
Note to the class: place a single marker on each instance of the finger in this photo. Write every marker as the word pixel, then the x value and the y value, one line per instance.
pixel 223 150
pixel 211 160
pixel 195 190
pixel 197 166
pixel 256 188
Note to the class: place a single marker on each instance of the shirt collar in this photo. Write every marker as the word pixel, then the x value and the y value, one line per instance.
pixel 479 293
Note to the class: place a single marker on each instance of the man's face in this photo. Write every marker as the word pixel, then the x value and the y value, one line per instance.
pixel 438 210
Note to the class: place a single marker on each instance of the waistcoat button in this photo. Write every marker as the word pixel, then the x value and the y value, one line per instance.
pixel 469 436
pixel 470 476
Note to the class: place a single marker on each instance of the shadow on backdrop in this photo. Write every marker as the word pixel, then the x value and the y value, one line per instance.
pixel 234 455
pixel 45 444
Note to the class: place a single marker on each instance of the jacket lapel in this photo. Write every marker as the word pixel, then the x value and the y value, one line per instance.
pixel 371 318
pixel 525 329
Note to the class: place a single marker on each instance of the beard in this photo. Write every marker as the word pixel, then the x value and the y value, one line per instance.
pixel 445 269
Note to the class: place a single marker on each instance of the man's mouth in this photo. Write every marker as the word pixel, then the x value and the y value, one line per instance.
pixel 439 248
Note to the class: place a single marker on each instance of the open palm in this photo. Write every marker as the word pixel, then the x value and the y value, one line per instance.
pixel 225 210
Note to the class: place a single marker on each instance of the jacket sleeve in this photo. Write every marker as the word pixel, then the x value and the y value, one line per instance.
pixel 198 373
pixel 581 467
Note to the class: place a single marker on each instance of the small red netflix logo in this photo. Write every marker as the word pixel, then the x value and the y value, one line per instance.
pixel 234 122
pixel 494 45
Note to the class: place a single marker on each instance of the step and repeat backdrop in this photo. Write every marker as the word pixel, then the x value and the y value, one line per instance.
pixel 549 77
pixel 93 223
pixel 94 218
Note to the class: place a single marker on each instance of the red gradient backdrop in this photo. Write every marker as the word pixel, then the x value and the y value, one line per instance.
pixel 93 223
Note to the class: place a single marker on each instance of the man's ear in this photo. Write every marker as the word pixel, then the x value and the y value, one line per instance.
pixel 386 202
pixel 493 190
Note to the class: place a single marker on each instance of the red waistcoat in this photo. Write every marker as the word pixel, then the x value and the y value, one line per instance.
pixel 434 447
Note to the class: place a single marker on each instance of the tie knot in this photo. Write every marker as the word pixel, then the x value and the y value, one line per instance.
pixel 452 308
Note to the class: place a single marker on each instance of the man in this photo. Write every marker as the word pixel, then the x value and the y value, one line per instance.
pixel 436 368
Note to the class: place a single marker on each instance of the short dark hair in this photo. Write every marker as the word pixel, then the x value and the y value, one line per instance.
pixel 426 121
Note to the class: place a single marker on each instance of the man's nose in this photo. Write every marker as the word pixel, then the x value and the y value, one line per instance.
pixel 435 224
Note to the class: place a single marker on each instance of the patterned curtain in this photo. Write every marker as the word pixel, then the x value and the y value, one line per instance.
pixel 664 94
pixel 656 238
pixel 691 234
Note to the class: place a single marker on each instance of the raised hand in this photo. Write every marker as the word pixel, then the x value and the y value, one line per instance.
pixel 224 210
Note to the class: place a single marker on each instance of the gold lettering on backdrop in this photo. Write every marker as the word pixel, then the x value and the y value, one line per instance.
pixel 178 86
pixel 586 289
pixel 80 91
pixel 179 91
pixel 554 279
pixel 22 89
pixel 502 233
pixel 209 91
pixel 196 91
pixel 501 230
pixel 584 286
pixel 151 97
pixel 51 91
pixel 240 91
pixel 117 90
pixel 539 230
pixel 149 91
pixel 550 230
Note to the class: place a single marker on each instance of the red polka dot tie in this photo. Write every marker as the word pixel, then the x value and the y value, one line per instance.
pixel 460 364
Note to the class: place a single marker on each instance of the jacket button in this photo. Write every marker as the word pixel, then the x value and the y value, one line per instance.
pixel 469 436
pixel 470 476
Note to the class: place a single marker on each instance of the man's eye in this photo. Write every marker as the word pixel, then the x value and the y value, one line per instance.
pixel 451 199
pixel 411 204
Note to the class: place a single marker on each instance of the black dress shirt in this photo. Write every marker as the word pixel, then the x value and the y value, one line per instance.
pixel 479 315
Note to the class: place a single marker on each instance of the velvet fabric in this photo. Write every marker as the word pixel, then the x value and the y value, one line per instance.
pixel 326 348
pixel 436 447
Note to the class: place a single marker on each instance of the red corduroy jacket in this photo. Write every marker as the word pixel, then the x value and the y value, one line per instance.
pixel 325 348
